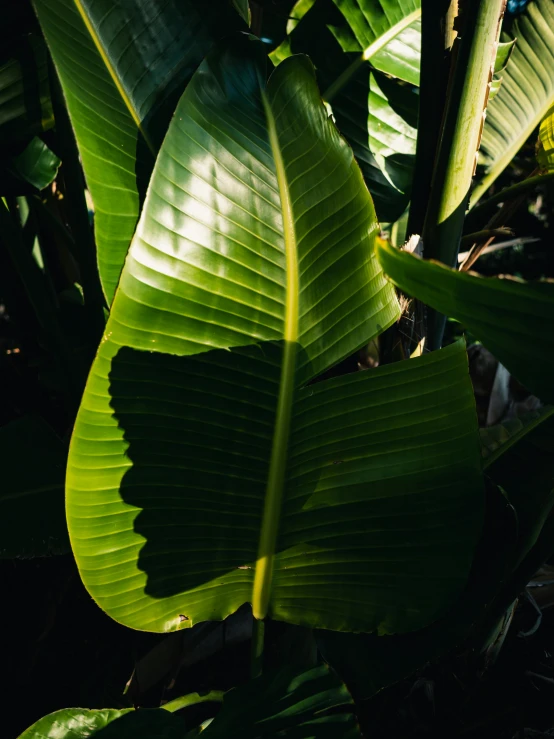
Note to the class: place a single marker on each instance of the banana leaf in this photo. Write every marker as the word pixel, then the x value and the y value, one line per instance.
pixel 123 66
pixel 206 468
pixel 343 39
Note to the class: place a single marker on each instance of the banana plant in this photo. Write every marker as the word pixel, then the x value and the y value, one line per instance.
pixel 206 468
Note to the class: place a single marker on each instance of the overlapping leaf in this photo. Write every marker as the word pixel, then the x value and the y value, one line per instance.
pixel 387 35
pixel 203 472
pixel 526 93
pixel 123 66
pixel 513 319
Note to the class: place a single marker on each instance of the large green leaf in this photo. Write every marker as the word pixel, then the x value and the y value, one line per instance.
pixel 512 318
pixel 123 66
pixel 203 473
pixel 526 93
pixel 37 487
pixel 392 129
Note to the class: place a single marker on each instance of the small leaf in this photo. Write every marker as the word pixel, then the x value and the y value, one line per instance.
pixel 37 164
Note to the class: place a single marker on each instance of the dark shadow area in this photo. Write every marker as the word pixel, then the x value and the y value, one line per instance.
pixel 190 438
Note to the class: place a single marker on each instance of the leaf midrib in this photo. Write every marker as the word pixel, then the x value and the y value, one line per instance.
pixel 277 465
pixel 378 44
pixel 112 72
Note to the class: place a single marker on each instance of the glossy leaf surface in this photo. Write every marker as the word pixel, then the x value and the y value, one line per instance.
pixel 526 93
pixel 108 723
pixel 386 33
pixel 203 472
pixel 512 318
pixel 123 66
pixel 36 164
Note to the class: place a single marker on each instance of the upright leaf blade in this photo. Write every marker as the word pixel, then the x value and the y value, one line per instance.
pixel 122 67
pixel 526 93
pixel 188 495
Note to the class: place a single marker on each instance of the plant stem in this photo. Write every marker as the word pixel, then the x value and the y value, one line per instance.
pixel 460 140
pixel 487 233
pixel 257 651
pixel 463 255
pixel 437 39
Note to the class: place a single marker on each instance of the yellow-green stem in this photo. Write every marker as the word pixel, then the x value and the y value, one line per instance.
pixel 460 139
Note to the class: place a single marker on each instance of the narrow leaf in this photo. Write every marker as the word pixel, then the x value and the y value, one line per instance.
pixel 512 318
pixel 526 94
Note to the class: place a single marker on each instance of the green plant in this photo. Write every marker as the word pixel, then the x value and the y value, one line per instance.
pixel 220 456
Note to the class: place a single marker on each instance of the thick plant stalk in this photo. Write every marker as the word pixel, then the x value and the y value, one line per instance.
pixel 460 140
pixel 437 40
